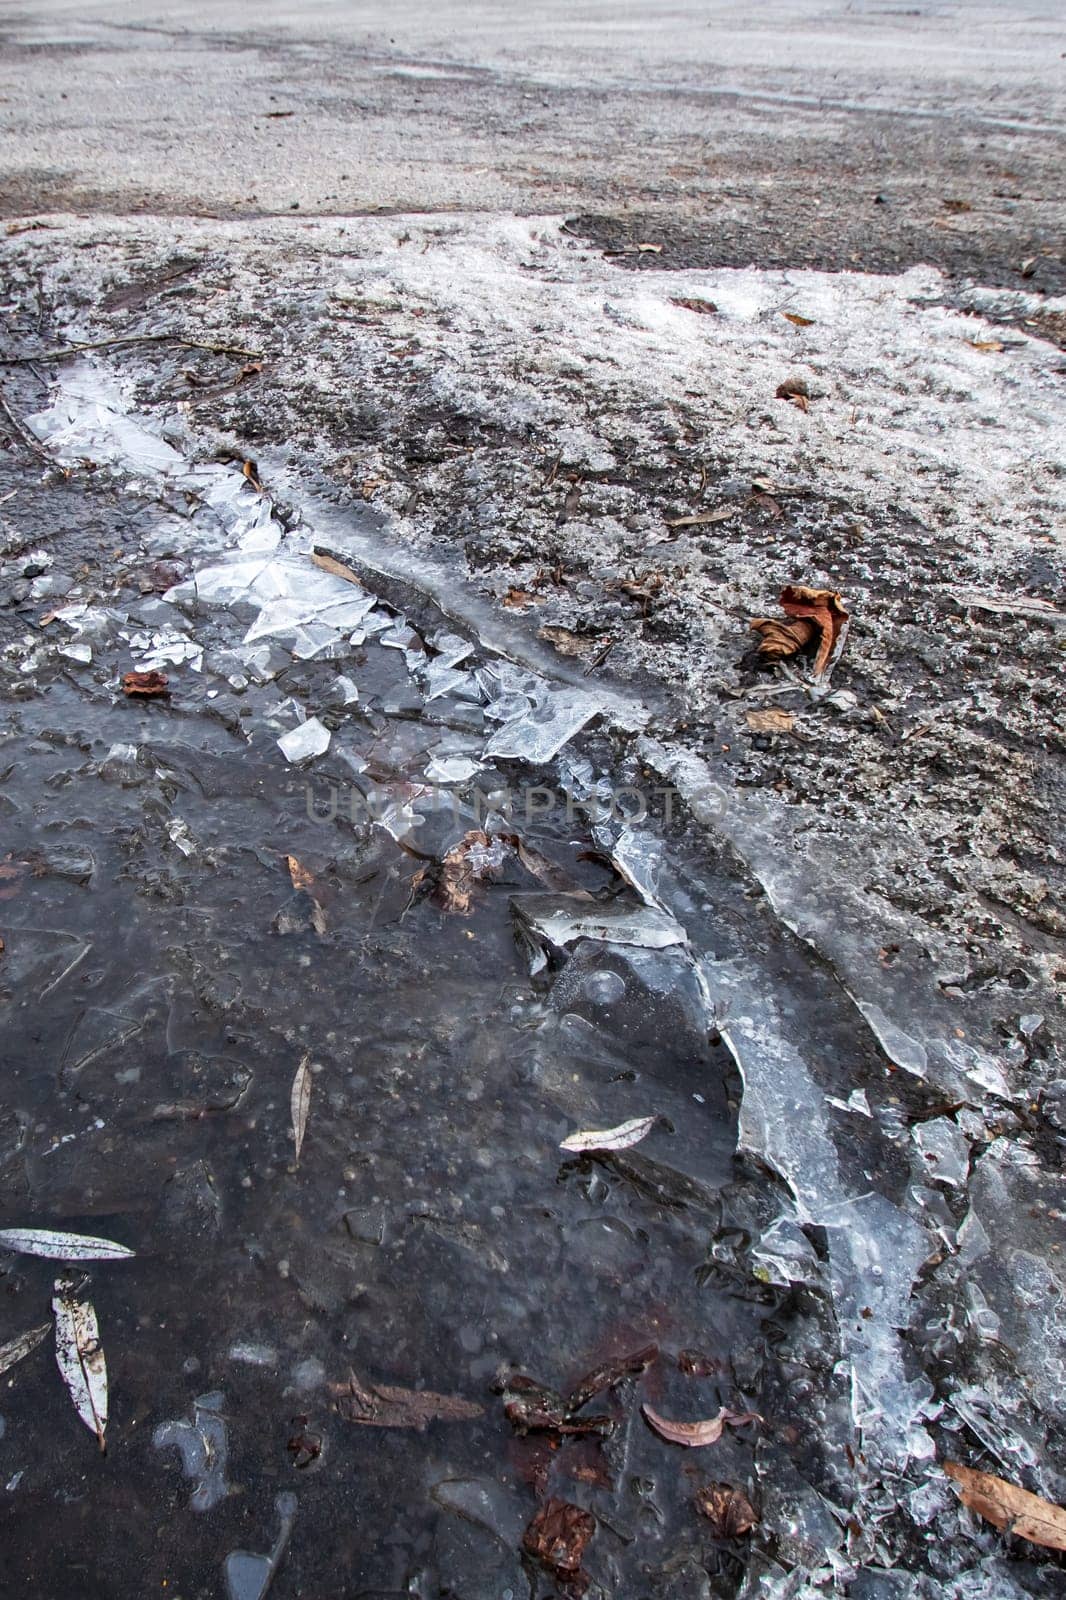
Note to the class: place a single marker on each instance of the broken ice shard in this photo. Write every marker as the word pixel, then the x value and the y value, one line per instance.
pixel 311 738
pixel 560 919
pixel 540 733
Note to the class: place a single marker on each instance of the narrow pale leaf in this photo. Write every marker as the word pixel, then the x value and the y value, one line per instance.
pixel 699 519
pixel 1010 1508
pixel 16 1348
pixel 620 1138
pixel 61 1246
pixel 80 1357
pixel 693 1434
pixel 300 1103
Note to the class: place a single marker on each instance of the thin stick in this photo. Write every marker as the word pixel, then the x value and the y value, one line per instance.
pixel 133 338
pixel 22 432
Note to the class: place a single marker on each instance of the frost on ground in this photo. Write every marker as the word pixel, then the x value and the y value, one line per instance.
pixel 495 399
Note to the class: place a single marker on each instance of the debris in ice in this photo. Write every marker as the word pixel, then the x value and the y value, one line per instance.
pixel 728 1509
pixel 311 738
pixel 248 1576
pixel 944 1151
pixel 539 734
pixel 179 835
pixel 18 1348
pixel 80 1356
pixel 384 1405
pixel 560 919
pixel 61 1246
pixel 620 1138
pixel 1006 1506
pixel 784 1255
pixel 203 1447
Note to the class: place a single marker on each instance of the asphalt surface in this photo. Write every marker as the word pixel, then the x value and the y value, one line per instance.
pixel 854 137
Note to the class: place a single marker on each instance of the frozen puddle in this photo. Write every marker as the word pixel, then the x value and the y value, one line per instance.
pixel 310 968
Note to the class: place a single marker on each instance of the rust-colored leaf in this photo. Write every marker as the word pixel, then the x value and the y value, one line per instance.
pixel 781 639
pixel 557 1538
pixel 826 610
pixel 518 599
pixel 1009 1508
pixel 251 472
pixel 729 1511
pixel 477 858
pixel 145 685
pixel 771 719
pixel 795 318
pixel 695 1434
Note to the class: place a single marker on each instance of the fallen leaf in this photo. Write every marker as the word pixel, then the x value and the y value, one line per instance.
pixel 251 369
pixel 650 249
pixel 301 877
pixel 957 206
pixel 767 503
pixel 382 1405
pixel 1009 1508
pixel 557 1538
pixel 792 388
pixel 518 599
pixel 620 1138
pixel 694 1434
pixel 609 1375
pixel 15 1349
pixel 800 322
pixel 702 308
pixel 770 720
pixel 80 1357
pixel 729 1510
pixel 569 643
pixel 531 1407
pixel 251 472
pixel 61 1246
pixel 987 344
pixel 811 612
pixel 475 859
pixel 700 518
pixel 300 1103
pixel 145 684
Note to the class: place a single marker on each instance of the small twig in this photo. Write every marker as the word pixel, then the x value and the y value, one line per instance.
pixel 133 338
pixel 22 432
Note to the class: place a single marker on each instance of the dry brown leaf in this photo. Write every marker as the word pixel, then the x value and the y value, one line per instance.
pixel 144 685
pixel 475 859
pixel 780 638
pixel 810 613
pixel 987 344
pixel 251 472
pixel 800 322
pixel 383 1405
pixel 1009 1508
pixel 770 720
pixel 722 514
pixel 301 877
pixel 569 643
pixel 957 206
pixel 792 389
pixel 702 308
pixel 557 1537
pixel 729 1510
pixel 694 1434
pixel 518 599
pixel 767 503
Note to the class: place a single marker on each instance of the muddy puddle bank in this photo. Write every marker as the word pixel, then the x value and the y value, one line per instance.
pixel 447 883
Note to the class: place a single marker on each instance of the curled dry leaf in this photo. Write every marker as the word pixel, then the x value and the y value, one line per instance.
pixel 1007 1507
pixel 144 685
pixel 15 1349
pixel 80 1357
pixel 557 1538
pixel 301 877
pixel 300 1103
pixel 620 1138
pixel 703 308
pixel 729 1511
pixel 61 1246
pixel 694 1434
pixel 810 614
pixel 770 719
pixel 792 389
pixel 383 1405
